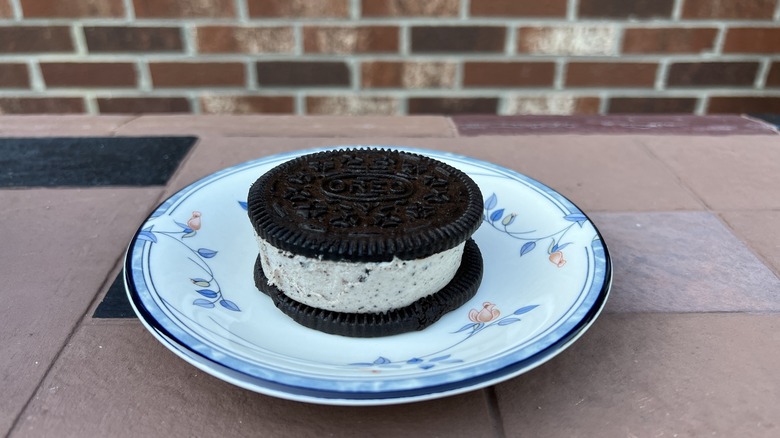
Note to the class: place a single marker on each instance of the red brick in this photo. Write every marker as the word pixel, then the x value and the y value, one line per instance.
pixel 452 105
pixel 728 9
pixel 114 39
pixel 652 105
pixel 443 39
pixel 303 74
pixel 579 40
pixel 352 105
pixel 232 39
pixel 553 104
pixel 41 105
pixel 247 104
pixel 42 39
pixel 706 74
pixel 198 74
pixel 773 78
pixel 14 76
pixel 517 8
pixel 299 8
pixel 752 40
pixel 611 74
pixel 184 8
pixel 741 105
pixel 364 39
pixel 5 10
pixel 410 8
pixel 395 74
pixel 143 105
pixel 626 9
pixel 88 74
pixel 668 40
pixel 508 74
pixel 72 8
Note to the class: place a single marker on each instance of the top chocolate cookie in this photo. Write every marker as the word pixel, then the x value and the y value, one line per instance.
pixel 365 205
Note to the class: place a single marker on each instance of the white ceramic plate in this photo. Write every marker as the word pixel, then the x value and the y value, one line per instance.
pixel 188 273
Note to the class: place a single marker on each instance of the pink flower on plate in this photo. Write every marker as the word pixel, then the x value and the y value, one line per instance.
pixel 194 221
pixel 486 314
pixel 557 259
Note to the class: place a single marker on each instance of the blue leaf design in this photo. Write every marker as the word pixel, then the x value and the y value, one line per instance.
pixel 183 226
pixel 560 247
pixel 508 321
pixel 147 235
pixel 576 217
pixel 414 360
pixel 190 234
pixel 490 203
pixel 381 361
pixel 206 253
pixel 525 309
pixel 229 305
pixel 208 293
pixel 243 205
pixel 203 303
pixel 436 359
pixel 427 366
pixel 527 247
pixel 157 213
pixel 199 280
pixel 496 215
pixel 473 325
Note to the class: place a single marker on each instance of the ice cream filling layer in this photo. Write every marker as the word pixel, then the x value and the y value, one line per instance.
pixel 363 287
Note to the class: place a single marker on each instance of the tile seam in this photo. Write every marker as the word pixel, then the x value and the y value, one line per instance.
pixel 494 411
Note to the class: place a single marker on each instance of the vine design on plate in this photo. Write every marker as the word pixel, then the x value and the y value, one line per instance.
pixel 207 286
pixel 480 320
pixel 502 221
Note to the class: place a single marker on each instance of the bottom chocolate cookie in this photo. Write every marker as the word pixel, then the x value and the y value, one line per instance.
pixel 416 316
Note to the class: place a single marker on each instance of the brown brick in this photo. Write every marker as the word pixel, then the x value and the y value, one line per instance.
pixel 5 10
pixel 299 8
pixel 363 39
pixel 752 40
pixel 247 104
pixel 41 105
pixel 72 8
pixel 773 78
pixel 553 104
pixel 198 74
pixel 14 76
pixel 705 74
pixel 508 74
pixel 26 39
pixel 452 105
pixel 515 8
pixel 141 105
pixel 88 74
pixel 115 39
pixel 610 74
pixel 580 40
pixel 302 74
pixel 435 39
pixel 183 8
pixel 668 40
pixel 652 105
pixel 729 9
pixel 231 39
pixel 626 9
pixel 742 105
pixel 352 105
pixel 410 8
pixel 394 74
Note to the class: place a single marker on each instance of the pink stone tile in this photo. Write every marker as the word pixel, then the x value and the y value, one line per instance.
pixel 759 230
pixel 728 173
pixel 291 126
pixel 683 262
pixel 117 380
pixel 60 125
pixel 631 179
pixel 654 375
pixel 58 246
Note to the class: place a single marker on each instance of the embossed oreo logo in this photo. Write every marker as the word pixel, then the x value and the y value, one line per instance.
pixel 367 187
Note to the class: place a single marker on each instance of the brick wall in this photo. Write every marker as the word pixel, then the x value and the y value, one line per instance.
pixel 390 56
